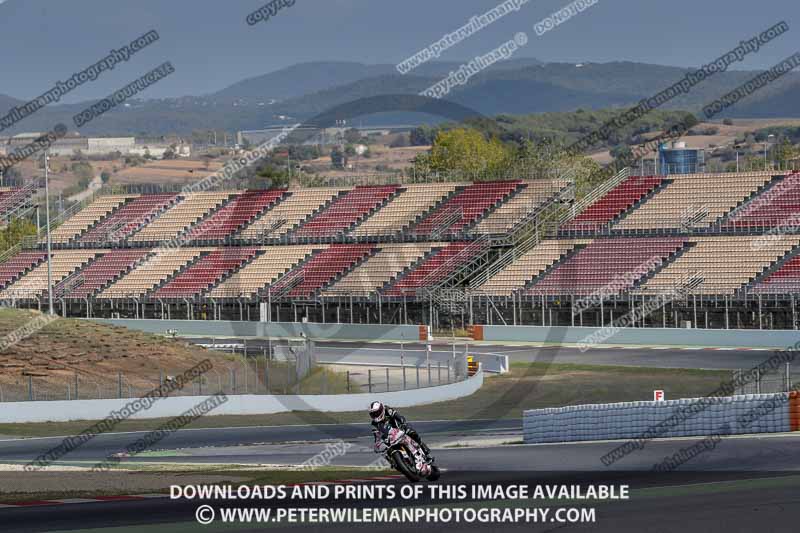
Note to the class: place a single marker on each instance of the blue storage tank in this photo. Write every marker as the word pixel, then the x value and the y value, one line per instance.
pixel 678 159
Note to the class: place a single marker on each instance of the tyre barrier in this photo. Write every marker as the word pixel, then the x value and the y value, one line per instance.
pixel 694 417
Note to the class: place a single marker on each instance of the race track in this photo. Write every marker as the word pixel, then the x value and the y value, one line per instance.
pixel 754 478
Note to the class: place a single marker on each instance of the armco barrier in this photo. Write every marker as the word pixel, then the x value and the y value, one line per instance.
pixel 245 404
pixel 753 338
pixel 752 413
pixel 220 328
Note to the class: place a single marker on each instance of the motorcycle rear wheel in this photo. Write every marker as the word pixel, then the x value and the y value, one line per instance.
pixel 407 470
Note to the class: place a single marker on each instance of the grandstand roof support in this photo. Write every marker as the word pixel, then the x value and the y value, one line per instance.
pixel 727 320
pixel 760 324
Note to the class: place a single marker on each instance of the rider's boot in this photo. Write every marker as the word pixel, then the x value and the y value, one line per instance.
pixel 427 451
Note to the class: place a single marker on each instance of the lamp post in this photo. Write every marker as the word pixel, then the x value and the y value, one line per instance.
pixel 770 136
pixel 47 229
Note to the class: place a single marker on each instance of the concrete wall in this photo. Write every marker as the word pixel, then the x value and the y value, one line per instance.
pixel 644 336
pixel 214 328
pixel 675 418
pixel 246 404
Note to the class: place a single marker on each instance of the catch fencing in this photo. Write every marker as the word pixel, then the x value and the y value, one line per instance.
pixel 273 367
pixel 640 421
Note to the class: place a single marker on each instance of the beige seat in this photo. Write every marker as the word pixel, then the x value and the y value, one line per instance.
pixel 531 198
pixel 290 212
pixel 186 213
pixel 695 200
pixel 81 221
pixel 379 269
pixel 158 268
pixel 414 201
pixel 724 264
pixel 34 283
pixel 263 270
pixel 515 275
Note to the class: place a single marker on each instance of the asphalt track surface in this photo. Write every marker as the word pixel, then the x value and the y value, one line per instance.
pixel 18 450
pixel 370 353
pixel 744 484
pixel 732 466
pixel 697 505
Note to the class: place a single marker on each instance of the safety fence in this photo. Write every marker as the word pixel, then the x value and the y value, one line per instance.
pixel 641 421
pixel 268 367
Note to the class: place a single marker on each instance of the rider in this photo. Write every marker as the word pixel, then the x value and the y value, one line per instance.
pixel 384 418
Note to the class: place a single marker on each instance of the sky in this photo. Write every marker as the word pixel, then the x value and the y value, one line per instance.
pixel 211 45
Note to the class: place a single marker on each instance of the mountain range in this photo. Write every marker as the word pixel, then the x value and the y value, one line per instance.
pixel 520 86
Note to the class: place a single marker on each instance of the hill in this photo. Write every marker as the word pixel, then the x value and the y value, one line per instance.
pixel 515 87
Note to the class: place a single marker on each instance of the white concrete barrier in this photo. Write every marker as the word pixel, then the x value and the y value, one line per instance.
pixel 245 404
pixel 751 413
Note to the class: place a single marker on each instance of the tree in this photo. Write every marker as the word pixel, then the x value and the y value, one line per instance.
pixel 468 154
pixel 170 153
pixel 16 230
pixel 105 176
pixel 270 177
pixel 784 152
pixel 422 136
pixel 338 158
pixel 401 141
pixel 352 136
pixel 621 151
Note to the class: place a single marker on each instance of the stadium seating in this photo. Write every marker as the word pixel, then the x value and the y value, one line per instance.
pixel 465 207
pixel 13 198
pixel 723 263
pixel 193 208
pixel 778 206
pixel 436 266
pixel 529 200
pixel 378 270
pixel 607 265
pixel 206 272
pixel 262 271
pixel 322 269
pixel 344 211
pixel 34 283
pixel 716 231
pixel 300 205
pixel 236 214
pixel 518 273
pixel 615 202
pixel 100 272
pixel 128 218
pixel 784 280
pixel 84 219
pixel 412 202
pixel 694 201
pixel 18 265
pixel 154 271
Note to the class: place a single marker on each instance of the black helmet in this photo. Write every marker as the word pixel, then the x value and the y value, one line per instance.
pixel 377 411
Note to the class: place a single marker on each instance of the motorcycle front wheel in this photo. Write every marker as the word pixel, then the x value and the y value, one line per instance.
pixel 404 467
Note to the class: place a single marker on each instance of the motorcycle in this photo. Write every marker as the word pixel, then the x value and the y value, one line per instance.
pixel 407 457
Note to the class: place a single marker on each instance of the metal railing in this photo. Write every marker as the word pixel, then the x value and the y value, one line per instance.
pixel 456 264
pixel 580 205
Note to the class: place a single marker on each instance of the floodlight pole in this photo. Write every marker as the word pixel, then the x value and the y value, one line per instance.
pixel 47 229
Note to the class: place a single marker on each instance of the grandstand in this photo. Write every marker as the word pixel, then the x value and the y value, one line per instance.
pixel 718 249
